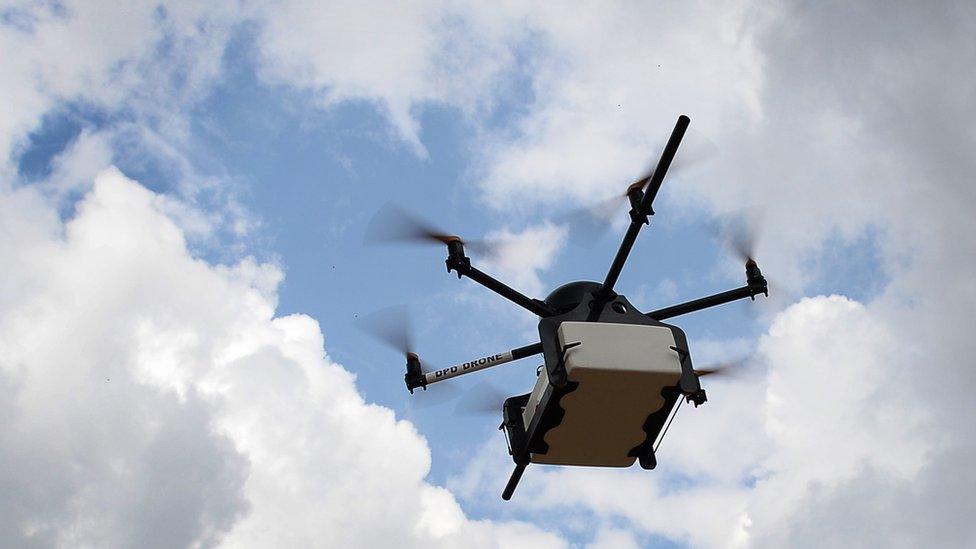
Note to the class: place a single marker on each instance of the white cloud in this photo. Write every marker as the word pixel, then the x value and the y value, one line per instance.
pixel 150 398
pixel 129 76
pixel 93 455
pixel 520 257
pixel 835 405
pixel 75 168
pixel 609 90
pixel 141 58
pixel 613 538
pixel 401 57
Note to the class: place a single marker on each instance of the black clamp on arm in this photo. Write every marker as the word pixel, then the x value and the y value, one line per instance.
pixel 636 196
pixel 755 280
pixel 456 260
pixel 562 355
pixel 558 376
pixel 414 377
pixel 698 396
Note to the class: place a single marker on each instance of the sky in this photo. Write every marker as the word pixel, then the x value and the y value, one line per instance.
pixel 184 194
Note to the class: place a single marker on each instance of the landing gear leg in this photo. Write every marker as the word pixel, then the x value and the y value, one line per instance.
pixel 514 480
pixel 647 459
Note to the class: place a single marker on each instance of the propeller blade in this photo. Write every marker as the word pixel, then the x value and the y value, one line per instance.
pixel 696 150
pixel 590 223
pixel 486 246
pixel 738 231
pixel 394 224
pixel 483 398
pixel 722 369
pixel 390 326
pixel 645 176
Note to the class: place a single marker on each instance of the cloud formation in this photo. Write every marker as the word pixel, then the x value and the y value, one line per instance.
pixel 129 374
pixel 153 399
pixel 400 58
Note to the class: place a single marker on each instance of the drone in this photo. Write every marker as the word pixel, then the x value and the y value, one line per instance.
pixel 613 375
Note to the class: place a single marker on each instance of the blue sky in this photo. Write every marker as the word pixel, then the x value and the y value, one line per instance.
pixel 268 139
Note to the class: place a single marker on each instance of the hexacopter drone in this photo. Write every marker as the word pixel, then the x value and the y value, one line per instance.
pixel 613 375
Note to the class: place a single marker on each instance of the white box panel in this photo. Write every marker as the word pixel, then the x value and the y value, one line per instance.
pixel 621 370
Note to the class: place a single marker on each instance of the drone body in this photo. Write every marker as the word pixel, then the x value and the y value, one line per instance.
pixel 612 376
pixel 610 382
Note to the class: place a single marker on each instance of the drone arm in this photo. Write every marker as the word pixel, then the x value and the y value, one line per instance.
pixel 756 285
pixel 642 205
pixel 513 295
pixel 481 363
pixel 458 262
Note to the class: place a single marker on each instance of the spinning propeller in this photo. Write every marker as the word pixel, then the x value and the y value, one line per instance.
pixel 483 398
pixel 588 223
pixel 393 224
pixel 392 326
pixel 721 369
pixel 740 232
